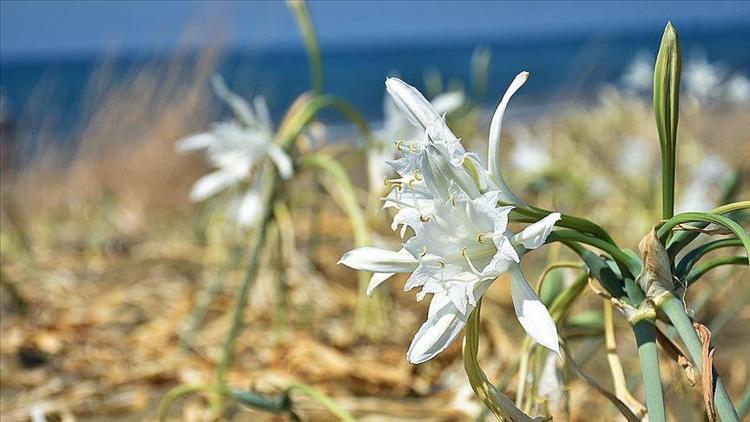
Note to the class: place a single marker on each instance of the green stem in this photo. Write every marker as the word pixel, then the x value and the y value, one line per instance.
pixel 686 263
pixel 346 197
pixel 683 238
pixel 567 221
pixel 297 123
pixel 306 26
pixel 734 206
pixel 498 403
pixel 672 306
pixel 689 217
pixel 645 336
pixel 709 265
pixel 324 400
pixel 174 394
pixel 626 263
pixel 598 269
pixel 252 268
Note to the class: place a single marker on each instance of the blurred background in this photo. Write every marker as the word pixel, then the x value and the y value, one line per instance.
pixel 105 258
pixel 53 49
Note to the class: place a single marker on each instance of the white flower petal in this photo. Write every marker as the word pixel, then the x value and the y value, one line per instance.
pixel 379 260
pixel 239 106
pixel 495 130
pixel 194 142
pixel 534 235
pixel 418 110
pixel 376 280
pixel 281 160
pixel 443 326
pixel 531 312
pixel 248 208
pixel 211 184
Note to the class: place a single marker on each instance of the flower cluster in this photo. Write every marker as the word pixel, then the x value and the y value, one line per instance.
pixel 456 239
pixel 235 148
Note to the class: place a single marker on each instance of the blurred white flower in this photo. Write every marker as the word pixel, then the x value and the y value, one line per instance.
pixel 529 155
pixel 461 241
pixel 702 79
pixel 235 148
pixel 639 75
pixel 701 193
pixel 737 89
pixel 637 158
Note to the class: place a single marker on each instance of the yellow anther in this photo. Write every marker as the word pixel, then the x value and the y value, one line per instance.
pixel 417 176
pixel 463 251
pixel 424 251
pixel 410 183
pixel 413 147
pixel 442 264
pixel 480 238
pixel 453 200
pixel 385 180
pixel 398 145
pixel 423 218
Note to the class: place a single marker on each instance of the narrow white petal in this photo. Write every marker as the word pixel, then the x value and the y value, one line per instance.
pixel 418 110
pixel 534 235
pixel 281 160
pixel 531 312
pixel 210 185
pixel 376 280
pixel 249 208
pixel 239 106
pixel 379 260
pixel 495 130
pixel 443 326
pixel 448 102
pixel 194 142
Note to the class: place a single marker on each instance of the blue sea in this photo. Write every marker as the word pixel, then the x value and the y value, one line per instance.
pixel 569 67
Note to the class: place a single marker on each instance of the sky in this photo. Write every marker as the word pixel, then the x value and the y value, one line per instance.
pixel 44 28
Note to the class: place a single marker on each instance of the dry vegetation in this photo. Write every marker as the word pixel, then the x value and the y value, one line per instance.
pixel 104 259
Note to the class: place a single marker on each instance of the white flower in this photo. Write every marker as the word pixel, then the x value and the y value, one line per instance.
pixel 397 127
pixel 460 240
pixel 235 148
